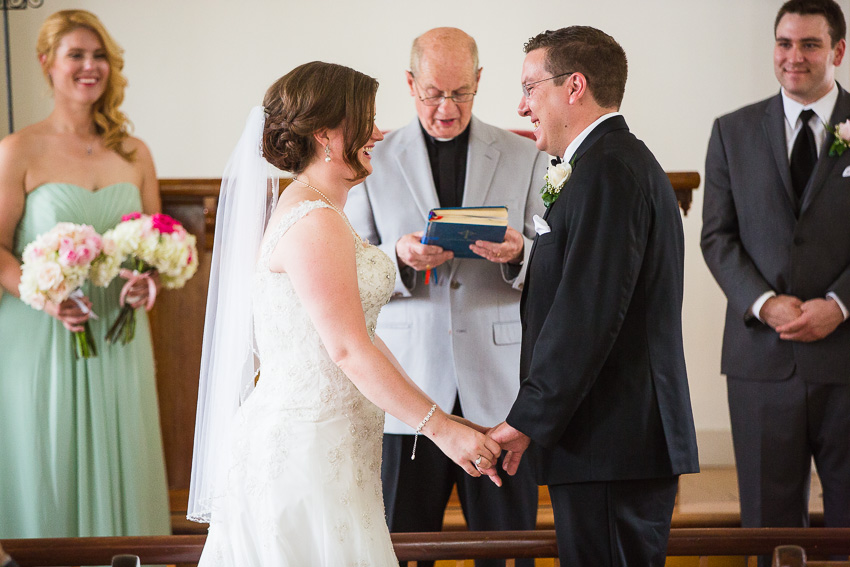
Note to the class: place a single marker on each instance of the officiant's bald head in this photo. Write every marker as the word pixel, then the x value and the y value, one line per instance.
pixel 443 79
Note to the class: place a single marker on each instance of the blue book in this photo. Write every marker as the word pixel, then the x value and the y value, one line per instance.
pixel 455 228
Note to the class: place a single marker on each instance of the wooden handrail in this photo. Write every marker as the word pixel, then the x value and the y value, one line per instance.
pixel 700 542
pixel 683 182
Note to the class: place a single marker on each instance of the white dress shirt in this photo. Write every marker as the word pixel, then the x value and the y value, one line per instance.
pixel 823 108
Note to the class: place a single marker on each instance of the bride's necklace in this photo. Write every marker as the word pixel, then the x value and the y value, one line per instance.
pixel 329 202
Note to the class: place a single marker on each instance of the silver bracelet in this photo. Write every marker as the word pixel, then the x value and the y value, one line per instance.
pixel 419 429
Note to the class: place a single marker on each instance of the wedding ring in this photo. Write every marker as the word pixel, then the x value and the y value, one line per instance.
pixel 478 461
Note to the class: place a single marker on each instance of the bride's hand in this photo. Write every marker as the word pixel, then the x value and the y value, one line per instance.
pixel 473 451
pixel 466 422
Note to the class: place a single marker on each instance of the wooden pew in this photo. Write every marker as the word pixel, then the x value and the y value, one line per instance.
pixel 687 542
pixel 177 324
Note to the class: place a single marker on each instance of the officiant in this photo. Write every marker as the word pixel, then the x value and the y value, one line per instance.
pixel 453 323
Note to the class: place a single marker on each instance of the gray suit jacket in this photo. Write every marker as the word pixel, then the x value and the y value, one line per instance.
pixel 460 334
pixel 753 242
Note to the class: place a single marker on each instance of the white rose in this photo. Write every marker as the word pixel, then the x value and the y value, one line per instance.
pixel 843 130
pixel 558 174
pixel 48 276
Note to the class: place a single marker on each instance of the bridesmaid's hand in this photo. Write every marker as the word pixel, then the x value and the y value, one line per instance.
pixel 140 290
pixel 69 313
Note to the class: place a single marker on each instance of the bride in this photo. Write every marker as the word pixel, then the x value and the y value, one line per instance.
pixel 292 475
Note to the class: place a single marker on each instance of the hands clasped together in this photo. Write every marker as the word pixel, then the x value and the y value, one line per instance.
pixel 476 449
pixel 803 321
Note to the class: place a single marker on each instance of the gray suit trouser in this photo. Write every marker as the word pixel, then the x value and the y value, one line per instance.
pixel 777 428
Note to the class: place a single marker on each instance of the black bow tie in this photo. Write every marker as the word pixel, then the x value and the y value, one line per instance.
pixel 557 160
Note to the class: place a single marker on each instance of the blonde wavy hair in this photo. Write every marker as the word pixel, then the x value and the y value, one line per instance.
pixel 111 124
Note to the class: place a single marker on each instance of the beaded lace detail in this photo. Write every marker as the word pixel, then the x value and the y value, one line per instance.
pixel 306 447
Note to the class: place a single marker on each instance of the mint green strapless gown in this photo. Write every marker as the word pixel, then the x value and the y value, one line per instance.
pixel 80 442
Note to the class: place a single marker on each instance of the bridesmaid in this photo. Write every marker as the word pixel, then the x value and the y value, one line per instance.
pixel 80 440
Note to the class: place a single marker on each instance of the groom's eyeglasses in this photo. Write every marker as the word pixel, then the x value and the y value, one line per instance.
pixel 528 87
pixel 438 99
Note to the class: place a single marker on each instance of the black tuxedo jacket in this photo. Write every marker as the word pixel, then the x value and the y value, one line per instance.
pixel 604 391
pixel 753 242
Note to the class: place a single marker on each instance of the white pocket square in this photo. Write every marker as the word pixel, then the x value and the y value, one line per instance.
pixel 540 225
pixel 846 172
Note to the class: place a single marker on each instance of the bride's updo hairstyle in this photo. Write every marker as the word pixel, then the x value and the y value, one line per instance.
pixel 312 97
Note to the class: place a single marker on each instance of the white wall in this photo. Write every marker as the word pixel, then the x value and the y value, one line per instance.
pixel 196 67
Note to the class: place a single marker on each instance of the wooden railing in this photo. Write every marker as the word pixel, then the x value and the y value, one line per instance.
pixel 694 542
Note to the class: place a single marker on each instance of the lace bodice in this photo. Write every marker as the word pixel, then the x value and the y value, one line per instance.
pixel 295 367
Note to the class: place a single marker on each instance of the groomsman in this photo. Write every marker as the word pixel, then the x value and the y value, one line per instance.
pixel 457 333
pixel 777 200
pixel 603 405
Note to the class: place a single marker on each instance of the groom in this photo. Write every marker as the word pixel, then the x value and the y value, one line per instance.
pixel 603 406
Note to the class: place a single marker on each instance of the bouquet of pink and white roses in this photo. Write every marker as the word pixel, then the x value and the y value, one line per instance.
pixel 148 242
pixel 54 267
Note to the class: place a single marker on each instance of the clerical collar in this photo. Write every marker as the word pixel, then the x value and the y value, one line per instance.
pixel 448 166
pixel 462 138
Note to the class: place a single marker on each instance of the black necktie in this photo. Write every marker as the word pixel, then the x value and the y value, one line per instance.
pixel 803 156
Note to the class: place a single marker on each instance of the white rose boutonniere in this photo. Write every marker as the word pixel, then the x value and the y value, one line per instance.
pixel 841 141
pixel 556 176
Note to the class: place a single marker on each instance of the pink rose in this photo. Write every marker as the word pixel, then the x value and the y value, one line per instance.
pixel 164 223
pixel 131 216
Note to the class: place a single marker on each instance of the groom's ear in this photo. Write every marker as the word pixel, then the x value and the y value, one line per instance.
pixel 576 88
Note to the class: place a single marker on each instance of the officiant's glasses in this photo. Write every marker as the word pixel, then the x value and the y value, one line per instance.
pixel 438 99
pixel 526 91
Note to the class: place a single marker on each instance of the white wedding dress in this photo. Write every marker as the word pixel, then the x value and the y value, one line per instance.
pixel 304 480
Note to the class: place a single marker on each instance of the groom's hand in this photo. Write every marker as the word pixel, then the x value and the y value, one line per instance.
pixel 513 441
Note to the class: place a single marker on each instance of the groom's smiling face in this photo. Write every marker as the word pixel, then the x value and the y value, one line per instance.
pixel 544 105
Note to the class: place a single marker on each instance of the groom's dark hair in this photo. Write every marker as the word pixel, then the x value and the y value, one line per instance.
pixel 829 9
pixel 591 52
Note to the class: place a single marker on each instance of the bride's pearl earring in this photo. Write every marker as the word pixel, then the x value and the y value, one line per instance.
pixel 328 153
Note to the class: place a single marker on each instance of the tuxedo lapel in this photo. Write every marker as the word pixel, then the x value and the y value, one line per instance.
pixel 412 161
pixel 827 163
pixel 609 125
pixel 606 126
pixel 773 125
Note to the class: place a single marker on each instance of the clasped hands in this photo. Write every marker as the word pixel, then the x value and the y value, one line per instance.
pixel 511 440
pixel 803 321
pixel 421 257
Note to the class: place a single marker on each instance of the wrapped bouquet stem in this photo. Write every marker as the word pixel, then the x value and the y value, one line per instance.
pixel 123 330
pixel 84 345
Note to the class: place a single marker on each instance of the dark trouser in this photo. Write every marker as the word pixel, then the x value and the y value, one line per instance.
pixel 777 428
pixel 416 493
pixel 615 523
